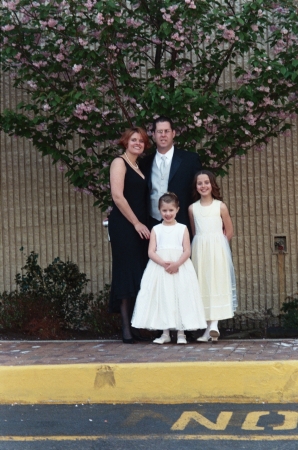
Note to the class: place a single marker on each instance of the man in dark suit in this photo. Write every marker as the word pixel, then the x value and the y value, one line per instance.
pixel 169 169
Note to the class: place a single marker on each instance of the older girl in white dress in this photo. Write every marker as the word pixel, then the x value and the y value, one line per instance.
pixel 169 298
pixel 211 255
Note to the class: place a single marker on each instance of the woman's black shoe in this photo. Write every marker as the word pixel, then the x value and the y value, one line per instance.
pixel 127 341
pixel 138 337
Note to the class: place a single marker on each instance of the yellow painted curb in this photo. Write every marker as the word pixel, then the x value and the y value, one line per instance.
pixel 223 382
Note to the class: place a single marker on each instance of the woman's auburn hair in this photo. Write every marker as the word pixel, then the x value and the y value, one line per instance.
pixel 123 141
pixel 215 188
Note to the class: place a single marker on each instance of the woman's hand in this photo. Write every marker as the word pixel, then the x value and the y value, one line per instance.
pixel 142 230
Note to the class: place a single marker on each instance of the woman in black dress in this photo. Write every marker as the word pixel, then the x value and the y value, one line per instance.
pixel 127 226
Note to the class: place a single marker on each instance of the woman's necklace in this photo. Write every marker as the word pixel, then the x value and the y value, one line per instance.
pixel 134 165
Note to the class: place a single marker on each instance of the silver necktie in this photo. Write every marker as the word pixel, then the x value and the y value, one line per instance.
pixel 162 167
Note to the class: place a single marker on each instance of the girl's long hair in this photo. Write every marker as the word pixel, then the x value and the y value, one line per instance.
pixel 215 188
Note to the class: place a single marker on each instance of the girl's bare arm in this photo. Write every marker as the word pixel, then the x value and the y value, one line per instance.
pixel 173 267
pixel 227 221
pixel 152 251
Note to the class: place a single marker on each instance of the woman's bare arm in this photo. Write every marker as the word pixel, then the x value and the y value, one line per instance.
pixel 117 176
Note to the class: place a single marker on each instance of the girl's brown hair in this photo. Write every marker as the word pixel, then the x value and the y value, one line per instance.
pixel 123 141
pixel 215 188
pixel 168 197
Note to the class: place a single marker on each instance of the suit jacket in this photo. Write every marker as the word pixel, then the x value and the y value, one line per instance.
pixel 184 166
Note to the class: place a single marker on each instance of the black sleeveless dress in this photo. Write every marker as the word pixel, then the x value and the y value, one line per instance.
pixel 129 251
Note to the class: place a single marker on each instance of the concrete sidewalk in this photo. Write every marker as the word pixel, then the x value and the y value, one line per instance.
pixel 111 372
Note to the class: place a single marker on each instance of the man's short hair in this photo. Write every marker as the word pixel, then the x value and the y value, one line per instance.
pixel 162 119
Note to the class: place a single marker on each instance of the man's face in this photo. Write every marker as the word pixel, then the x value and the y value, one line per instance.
pixel 164 136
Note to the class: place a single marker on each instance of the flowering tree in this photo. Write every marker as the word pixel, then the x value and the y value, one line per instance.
pixel 225 71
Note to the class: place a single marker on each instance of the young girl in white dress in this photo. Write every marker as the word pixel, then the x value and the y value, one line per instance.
pixel 169 298
pixel 211 255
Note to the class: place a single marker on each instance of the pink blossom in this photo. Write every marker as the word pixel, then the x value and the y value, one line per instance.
pixel 250 119
pixel 32 84
pixel 52 23
pixel 60 57
pixel 131 22
pixel 99 19
pixel 7 27
pixel 46 107
pixel 39 64
pixel 11 5
pixel 173 8
pixel 167 18
pixel 83 42
pixel 229 35
pixel 263 89
pixel 156 41
pixel 77 67
pixel 89 4
pixel 267 101
pixel 254 27
pixel 41 127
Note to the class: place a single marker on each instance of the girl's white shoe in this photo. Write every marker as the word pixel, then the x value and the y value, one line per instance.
pixel 204 338
pixel 214 334
pixel 181 338
pixel 163 339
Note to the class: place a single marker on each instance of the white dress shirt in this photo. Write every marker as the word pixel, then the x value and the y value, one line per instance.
pixel 168 155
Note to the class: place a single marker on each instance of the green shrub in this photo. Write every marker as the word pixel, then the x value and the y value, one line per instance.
pixel 99 319
pixel 12 310
pixel 61 284
pixel 290 309
pixel 49 301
